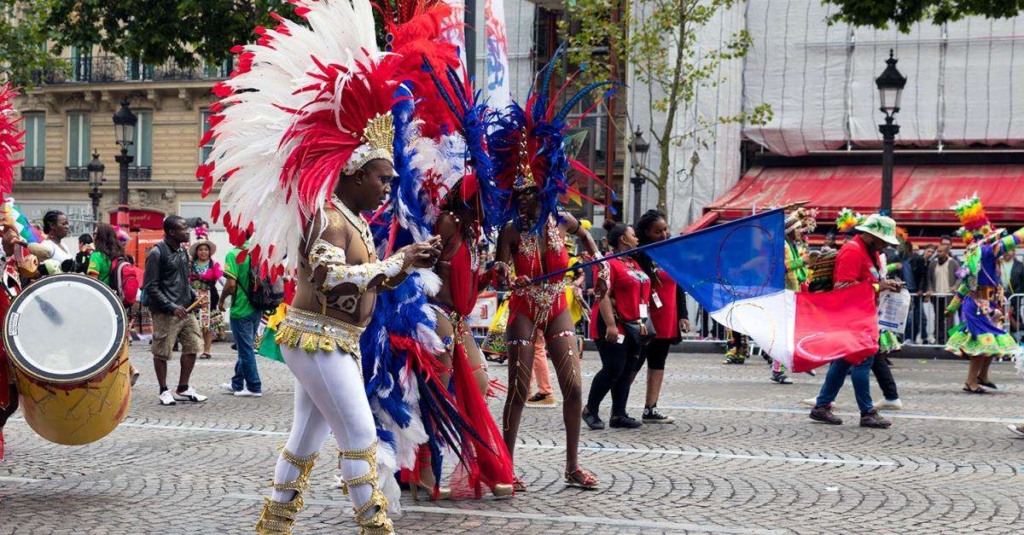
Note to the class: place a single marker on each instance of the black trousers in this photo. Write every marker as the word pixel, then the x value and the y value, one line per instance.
pixel 884 377
pixel 618 361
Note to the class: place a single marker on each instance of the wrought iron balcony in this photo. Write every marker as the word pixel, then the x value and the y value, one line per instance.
pixel 81 174
pixel 32 174
pixel 115 69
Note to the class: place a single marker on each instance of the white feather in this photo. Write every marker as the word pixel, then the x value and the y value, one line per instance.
pixel 249 138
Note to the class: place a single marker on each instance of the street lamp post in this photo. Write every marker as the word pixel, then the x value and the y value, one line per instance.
pixel 95 169
pixel 890 88
pixel 124 134
pixel 638 148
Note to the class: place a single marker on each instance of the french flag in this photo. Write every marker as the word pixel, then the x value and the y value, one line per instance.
pixel 737 272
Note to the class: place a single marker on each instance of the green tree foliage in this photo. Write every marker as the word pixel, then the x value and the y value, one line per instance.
pixel 186 31
pixel 658 38
pixel 905 13
pixel 23 38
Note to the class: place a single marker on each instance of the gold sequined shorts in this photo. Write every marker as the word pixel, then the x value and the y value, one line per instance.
pixel 316 332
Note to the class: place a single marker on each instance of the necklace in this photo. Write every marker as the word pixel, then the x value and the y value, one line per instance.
pixel 359 223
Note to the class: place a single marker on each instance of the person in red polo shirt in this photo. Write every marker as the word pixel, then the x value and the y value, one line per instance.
pixel 858 261
pixel 620 326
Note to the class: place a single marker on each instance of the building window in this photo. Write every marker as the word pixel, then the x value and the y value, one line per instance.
pixel 205 150
pixel 78 146
pixel 35 146
pixel 81 64
pixel 137 70
pixel 142 150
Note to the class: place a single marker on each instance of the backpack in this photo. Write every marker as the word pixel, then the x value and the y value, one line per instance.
pixel 124 277
pixel 264 295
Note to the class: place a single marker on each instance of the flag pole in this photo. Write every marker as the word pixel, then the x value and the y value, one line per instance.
pixel 655 245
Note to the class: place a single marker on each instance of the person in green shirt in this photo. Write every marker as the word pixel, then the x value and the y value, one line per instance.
pixel 108 249
pixel 245 320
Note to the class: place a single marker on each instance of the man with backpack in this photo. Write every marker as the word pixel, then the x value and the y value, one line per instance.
pixel 245 320
pixel 168 296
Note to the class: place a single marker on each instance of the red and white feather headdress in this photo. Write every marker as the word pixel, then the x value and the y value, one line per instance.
pixel 306 103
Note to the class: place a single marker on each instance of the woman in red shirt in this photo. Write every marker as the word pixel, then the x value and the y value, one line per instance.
pixel 620 325
pixel 668 313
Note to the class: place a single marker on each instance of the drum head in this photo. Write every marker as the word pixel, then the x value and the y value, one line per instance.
pixel 65 328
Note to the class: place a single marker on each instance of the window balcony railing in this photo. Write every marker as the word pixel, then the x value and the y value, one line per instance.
pixel 135 174
pixel 114 69
pixel 32 174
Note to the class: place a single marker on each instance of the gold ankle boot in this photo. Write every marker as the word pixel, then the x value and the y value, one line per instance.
pixel 277 517
pixel 372 517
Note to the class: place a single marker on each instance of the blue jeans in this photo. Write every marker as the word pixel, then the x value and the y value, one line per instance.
pixel 246 374
pixel 861 377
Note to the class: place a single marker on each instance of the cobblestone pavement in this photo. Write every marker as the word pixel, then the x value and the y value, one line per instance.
pixel 742 458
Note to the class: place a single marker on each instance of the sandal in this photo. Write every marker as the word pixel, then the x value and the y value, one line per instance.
pixel 205 356
pixel 580 478
pixel 518 484
pixel 978 390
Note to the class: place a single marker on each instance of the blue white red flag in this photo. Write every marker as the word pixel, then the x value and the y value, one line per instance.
pixel 499 89
pixel 736 271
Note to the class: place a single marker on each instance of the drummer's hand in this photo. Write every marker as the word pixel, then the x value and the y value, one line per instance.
pixel 180 312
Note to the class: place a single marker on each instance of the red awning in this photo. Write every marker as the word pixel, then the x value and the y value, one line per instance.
pixel 922 194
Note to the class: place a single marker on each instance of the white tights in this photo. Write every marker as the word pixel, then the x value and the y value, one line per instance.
pixel 329 397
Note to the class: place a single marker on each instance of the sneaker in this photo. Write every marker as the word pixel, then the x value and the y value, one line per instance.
pixel 592 420
pixel 810 402
pixel 918 340
pixel 246 393
pixel 189 395
pixel 781 378
pixel 653 416
pixel 167 398
pixel 824 415
pixel 873 420
pixel 733 359
pixel 225 388
pixel 890 405
pixel 931 340
pixel 542 401
pixel 1017 429
pixel 624 422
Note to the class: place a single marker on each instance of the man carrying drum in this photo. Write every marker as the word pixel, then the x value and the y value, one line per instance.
pixel 169 297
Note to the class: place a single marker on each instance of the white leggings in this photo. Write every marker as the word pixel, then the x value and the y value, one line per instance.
pixel 329 397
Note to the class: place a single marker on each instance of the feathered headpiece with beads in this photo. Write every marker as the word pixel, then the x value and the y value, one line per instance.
pixel 974 223
pixel 847 220
pixel 306 104
pixel 528 145
pixel 10 139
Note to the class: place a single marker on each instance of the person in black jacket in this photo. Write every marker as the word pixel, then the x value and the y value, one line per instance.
pixel 85 248
pixel 168 296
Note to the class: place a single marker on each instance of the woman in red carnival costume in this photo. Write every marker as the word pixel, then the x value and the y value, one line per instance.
pixel 528 147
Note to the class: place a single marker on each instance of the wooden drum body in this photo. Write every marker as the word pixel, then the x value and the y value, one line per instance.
pixel 66 336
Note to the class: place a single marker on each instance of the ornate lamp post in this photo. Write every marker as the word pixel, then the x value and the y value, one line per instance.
pixel 890 88
pixel 95 169
pixel 638 148
pixel 124 134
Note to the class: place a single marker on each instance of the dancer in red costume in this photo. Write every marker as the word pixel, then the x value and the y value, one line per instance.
pixel 528 148
pixel 460 272
pixel 10 144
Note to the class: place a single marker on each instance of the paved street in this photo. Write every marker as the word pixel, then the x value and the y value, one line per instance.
pixel 742 458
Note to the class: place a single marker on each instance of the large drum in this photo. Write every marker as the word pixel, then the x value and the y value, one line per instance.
pixel 66 336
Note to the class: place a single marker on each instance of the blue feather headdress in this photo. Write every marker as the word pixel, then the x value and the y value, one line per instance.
pixel 528 145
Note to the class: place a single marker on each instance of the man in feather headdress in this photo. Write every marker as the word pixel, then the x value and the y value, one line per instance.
pixel 10 144
pixel 303 165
